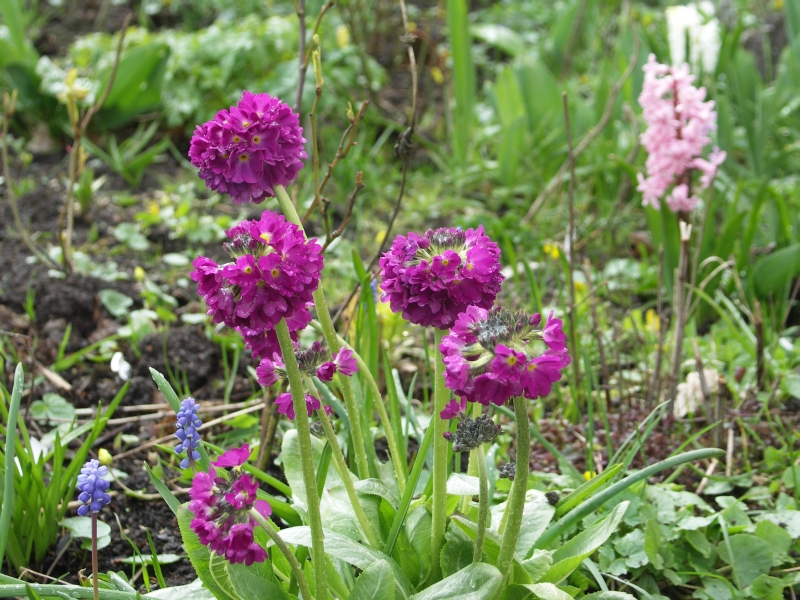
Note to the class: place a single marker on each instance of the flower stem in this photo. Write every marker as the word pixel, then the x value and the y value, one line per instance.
pixel 472 467
pixel 95 567
pixel 516 500
pixel 440 447
pixel 304 438
pixel 483 504
pixel 329 332
pixel 297 570
pixel 344 473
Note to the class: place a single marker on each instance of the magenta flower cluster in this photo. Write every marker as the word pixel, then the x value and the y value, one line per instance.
pixel 490 357
pixel 679 122
pixel 221 503
pixel 249 149
pixel 273 276
pixel 434 277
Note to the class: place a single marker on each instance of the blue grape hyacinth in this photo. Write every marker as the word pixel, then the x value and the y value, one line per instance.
pixel 188 423
pixel 93 488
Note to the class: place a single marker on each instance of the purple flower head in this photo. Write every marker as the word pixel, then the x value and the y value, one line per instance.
pixel 92 488
pixel 312 361
pixel 345 362
pixel 272 276
pixel 285 406
pixel 187 424
pixel 433 278
pixel 247 150
pixel 234 457
pixel 491 356
pixel 453 408
pixel 220 503
pixel 679 122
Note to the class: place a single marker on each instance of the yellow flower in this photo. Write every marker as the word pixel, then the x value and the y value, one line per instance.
pixel 580 287
pixel 778 4
pixel 138 273
pixel 647 20
pixel 587 475
pixel 342 36
pixel 104 456
pixel 653 323
pixel 380 236
pixel 153 208
pixel 551 250
pixel 437 75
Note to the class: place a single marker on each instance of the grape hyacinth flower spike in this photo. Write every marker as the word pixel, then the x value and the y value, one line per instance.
pixel 221 501
pixel 490 356
pixel 249 149
pixel 189 438
pixel 93 488
pixel 432 278
pixel 273 275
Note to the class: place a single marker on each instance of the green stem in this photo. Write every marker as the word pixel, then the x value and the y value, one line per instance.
pixel 397 458
pixel 95 580
pixel 516 500
pixel 306 456
pixel 483 504
pixel 472 467
pixel 440 448
pixel 329 332
pixel 405 502
pixel 297 570
pixel 9 493
pixel 344 473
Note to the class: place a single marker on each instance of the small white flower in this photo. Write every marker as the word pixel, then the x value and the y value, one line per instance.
pixel 695 22
pixel 690 394
pixel 120 366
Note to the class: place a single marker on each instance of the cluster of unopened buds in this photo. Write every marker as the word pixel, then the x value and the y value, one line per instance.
pixel 221 500
pixel 471 433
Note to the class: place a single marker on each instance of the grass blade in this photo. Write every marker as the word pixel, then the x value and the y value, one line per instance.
pixel 10 466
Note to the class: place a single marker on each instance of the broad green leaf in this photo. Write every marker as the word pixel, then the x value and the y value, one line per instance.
pixel 777 537
pixel 536 516
pixel 293 464
pixel 200 557
pixel 218 569
pixel 81 527
pixel 788 519
pixel 631 546
pixel 248 585
pixel 538 564
pixel 536 591
pixel 115 302
pixel 768 588
pixel 162 488
pixel 418 530
pixel 457 551
pixel 377 581
pixel 609 596
pixel 459 484
pixel 567 558
pixel 192 591
pixel 375 487
pixel 652 544
pixel 492 542
pixel 478 581
pixel 52 408
pixel 749 556
pixel 499 36
pixel 773 273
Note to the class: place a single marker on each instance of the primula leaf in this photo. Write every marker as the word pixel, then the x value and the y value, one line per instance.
pixel 478 581
pixel 249 586
pixel 200 557
pixel 377 581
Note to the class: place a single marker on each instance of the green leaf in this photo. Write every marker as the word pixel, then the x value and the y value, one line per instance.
pixel 162 488
pixel 499 36
pixel 768 588
pixel 192 591
pixel 457 550
pixel 538 591
pixel 163 559
pixel 81 527
pixel 249 586
pixel 459 484
pixel 536 516
pixel 538 564
pixel 652 544
pixel 609 596
pixel 115 302
pixel 52 408
pixel 457 12
pixel 750 556
pixel 478 581
pixel 774 272
pixel 293 464
pixel 572 500
pixel 201 559
pixel 787 519
pixel 31 593
pixel 377 581
pixel 567 558
pixel 418 530
pixel 777 537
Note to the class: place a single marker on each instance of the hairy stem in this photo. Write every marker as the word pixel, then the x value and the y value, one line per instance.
pixel 516 500
pixel 483 504
pixel 344 473
pixel 304 438
pixel 297 570
pixel 329 332
pixel 440 448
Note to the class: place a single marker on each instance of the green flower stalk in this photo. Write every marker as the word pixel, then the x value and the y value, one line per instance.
pixel 440 448
pixel 329 332
pixel 304 438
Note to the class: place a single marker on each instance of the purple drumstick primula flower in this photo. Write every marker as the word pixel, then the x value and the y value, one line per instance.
pixel 93 488
pixel 274 273
pixel 453 408
pixel 221 508
pixel 432 278
pixel 489 356
pixel 247 150
pixel 187 425
pixel 286 407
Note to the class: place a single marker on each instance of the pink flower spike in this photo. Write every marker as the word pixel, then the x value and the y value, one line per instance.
pixel 235 457
pixel 345 362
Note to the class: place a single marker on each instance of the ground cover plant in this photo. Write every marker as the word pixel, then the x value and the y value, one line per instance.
pixel 400 300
